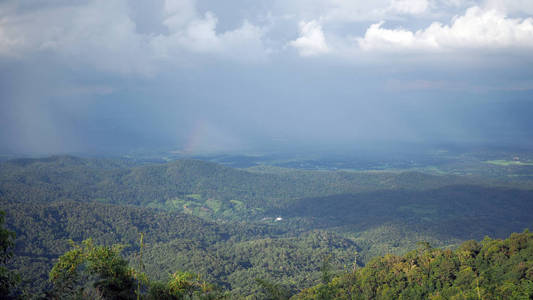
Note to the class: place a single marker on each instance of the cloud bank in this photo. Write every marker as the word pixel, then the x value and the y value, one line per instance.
pixel 477 29
pixel 102 34
pixel 107 35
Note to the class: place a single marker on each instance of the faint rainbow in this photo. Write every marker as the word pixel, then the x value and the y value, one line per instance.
pixel 195 137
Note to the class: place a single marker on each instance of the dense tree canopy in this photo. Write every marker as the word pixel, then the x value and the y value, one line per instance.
pixel 8 278
pixel 492 269
pixel 254 233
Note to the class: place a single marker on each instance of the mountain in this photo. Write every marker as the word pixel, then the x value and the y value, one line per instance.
pixel 235 225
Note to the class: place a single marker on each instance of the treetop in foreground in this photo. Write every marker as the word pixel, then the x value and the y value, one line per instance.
pixel 492 269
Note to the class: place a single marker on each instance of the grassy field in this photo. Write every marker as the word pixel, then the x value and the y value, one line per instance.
pixel 505 163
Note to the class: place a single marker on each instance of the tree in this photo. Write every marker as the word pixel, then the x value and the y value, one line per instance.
pixel 101 266
pixel 273 290
pixel 89 271
pixel 8 279
pixel 184 285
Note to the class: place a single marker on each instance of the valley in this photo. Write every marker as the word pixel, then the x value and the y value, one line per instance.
pixel 235 225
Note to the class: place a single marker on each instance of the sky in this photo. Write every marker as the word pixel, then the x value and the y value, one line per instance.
pixel 98 76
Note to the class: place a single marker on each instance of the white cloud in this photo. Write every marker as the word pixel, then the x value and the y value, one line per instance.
pixel 414 7
pixel 477 29
pixel 102 35
pixel 354 11
pixel 378 38
pixel 191 33
pixel 510 6
pixel 245 42
pixel 311 41
pixel 178 13
pixel 98 34
pixel 200 36
pixel 343 11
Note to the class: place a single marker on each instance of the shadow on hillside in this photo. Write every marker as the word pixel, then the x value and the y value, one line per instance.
pixel 458 211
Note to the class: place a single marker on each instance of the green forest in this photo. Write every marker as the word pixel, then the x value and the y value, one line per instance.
pixel 94 228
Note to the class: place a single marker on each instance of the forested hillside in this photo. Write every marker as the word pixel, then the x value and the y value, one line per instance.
pixel 230 255
pixel 492 269
pixel 234 226
pixel 180 182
